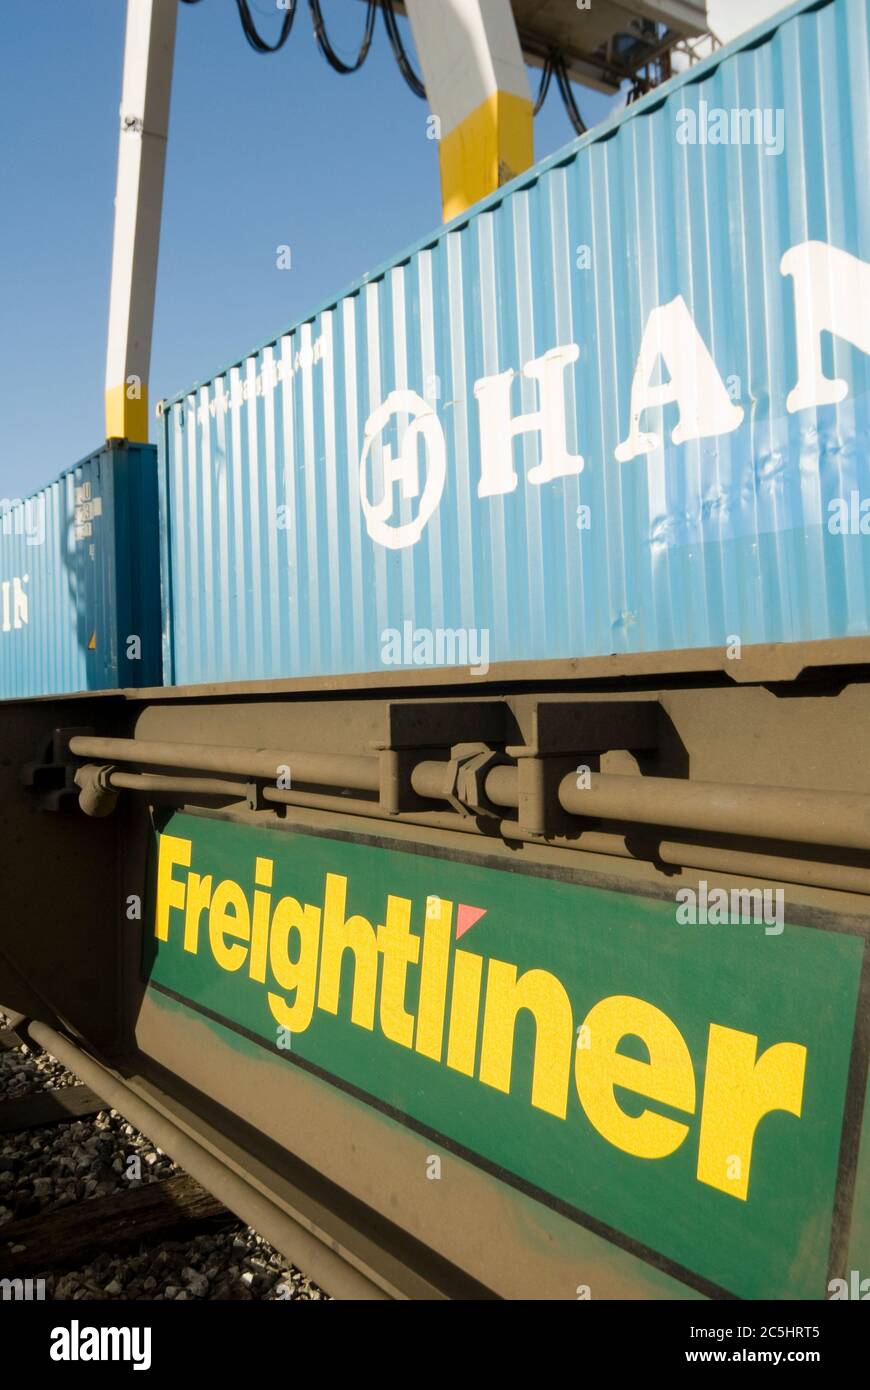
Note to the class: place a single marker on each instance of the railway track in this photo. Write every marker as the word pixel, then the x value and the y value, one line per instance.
pixel 90 1210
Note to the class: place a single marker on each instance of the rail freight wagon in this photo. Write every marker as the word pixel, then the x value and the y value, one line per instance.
pixel 533 967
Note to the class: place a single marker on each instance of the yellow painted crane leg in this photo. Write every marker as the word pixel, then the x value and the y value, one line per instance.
pixel 148 55
pixel 477 88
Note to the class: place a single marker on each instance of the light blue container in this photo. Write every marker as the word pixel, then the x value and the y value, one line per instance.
pixel 80 579
pixel 735 256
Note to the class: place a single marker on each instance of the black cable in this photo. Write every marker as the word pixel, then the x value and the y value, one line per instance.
pixel 325 46
pixel 258 44
pixel 555 62
pixel 390 23
pixel 545 83
pixel 571 107
pixel 250 31
pixel 399 53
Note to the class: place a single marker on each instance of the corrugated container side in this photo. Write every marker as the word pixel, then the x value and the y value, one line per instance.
pixel 79 579
pixel 353 495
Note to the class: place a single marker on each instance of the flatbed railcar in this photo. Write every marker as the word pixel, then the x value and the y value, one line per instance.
pixel 532 966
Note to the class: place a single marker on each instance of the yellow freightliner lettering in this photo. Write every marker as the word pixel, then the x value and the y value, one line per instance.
pixel 307 953
pixel 228 916
pixel 297 977
pixel 739 1089
pixel 260 920
pixel 464 1012
pixel 340 935
pixel 198 900
pixel 434 972
pixel 668 1077
pixel 170 893
pixel 400 949
pixel 547 1001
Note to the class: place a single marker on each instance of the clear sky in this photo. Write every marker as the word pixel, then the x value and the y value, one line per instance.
pixel 264 150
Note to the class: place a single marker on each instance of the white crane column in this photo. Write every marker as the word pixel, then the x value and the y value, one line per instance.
pixel 476 83
pixel 148 54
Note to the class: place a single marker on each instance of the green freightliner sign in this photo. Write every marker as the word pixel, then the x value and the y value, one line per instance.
pixel 682 1084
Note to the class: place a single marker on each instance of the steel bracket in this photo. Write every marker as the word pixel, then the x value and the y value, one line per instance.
pixel 417 730
pixel 571 735
pixel 52 777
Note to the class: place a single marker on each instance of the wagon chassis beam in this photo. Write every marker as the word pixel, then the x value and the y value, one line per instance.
pixel 450 765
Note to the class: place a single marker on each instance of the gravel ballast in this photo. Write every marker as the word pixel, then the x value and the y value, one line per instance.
pixel 56 1165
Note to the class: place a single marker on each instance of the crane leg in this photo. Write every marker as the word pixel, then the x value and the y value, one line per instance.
pixel 148 54
pixel 477 87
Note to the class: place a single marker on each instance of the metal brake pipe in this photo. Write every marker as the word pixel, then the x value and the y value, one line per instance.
pixel 429 779
pixel 360 771
pixel 155 782
pixel 841 819
pixel 436 820
pixel 842 878
pixel 502 786
pixel 779 813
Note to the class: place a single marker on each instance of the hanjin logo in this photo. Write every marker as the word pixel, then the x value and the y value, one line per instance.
pixel 831 288
pixel 404 470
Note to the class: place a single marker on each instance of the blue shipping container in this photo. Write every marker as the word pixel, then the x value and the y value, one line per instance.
pixel 623 405
pixel 80 579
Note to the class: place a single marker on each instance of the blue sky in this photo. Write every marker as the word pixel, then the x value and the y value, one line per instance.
pixel 263 150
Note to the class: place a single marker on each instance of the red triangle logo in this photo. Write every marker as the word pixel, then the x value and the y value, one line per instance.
pixel 466 917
